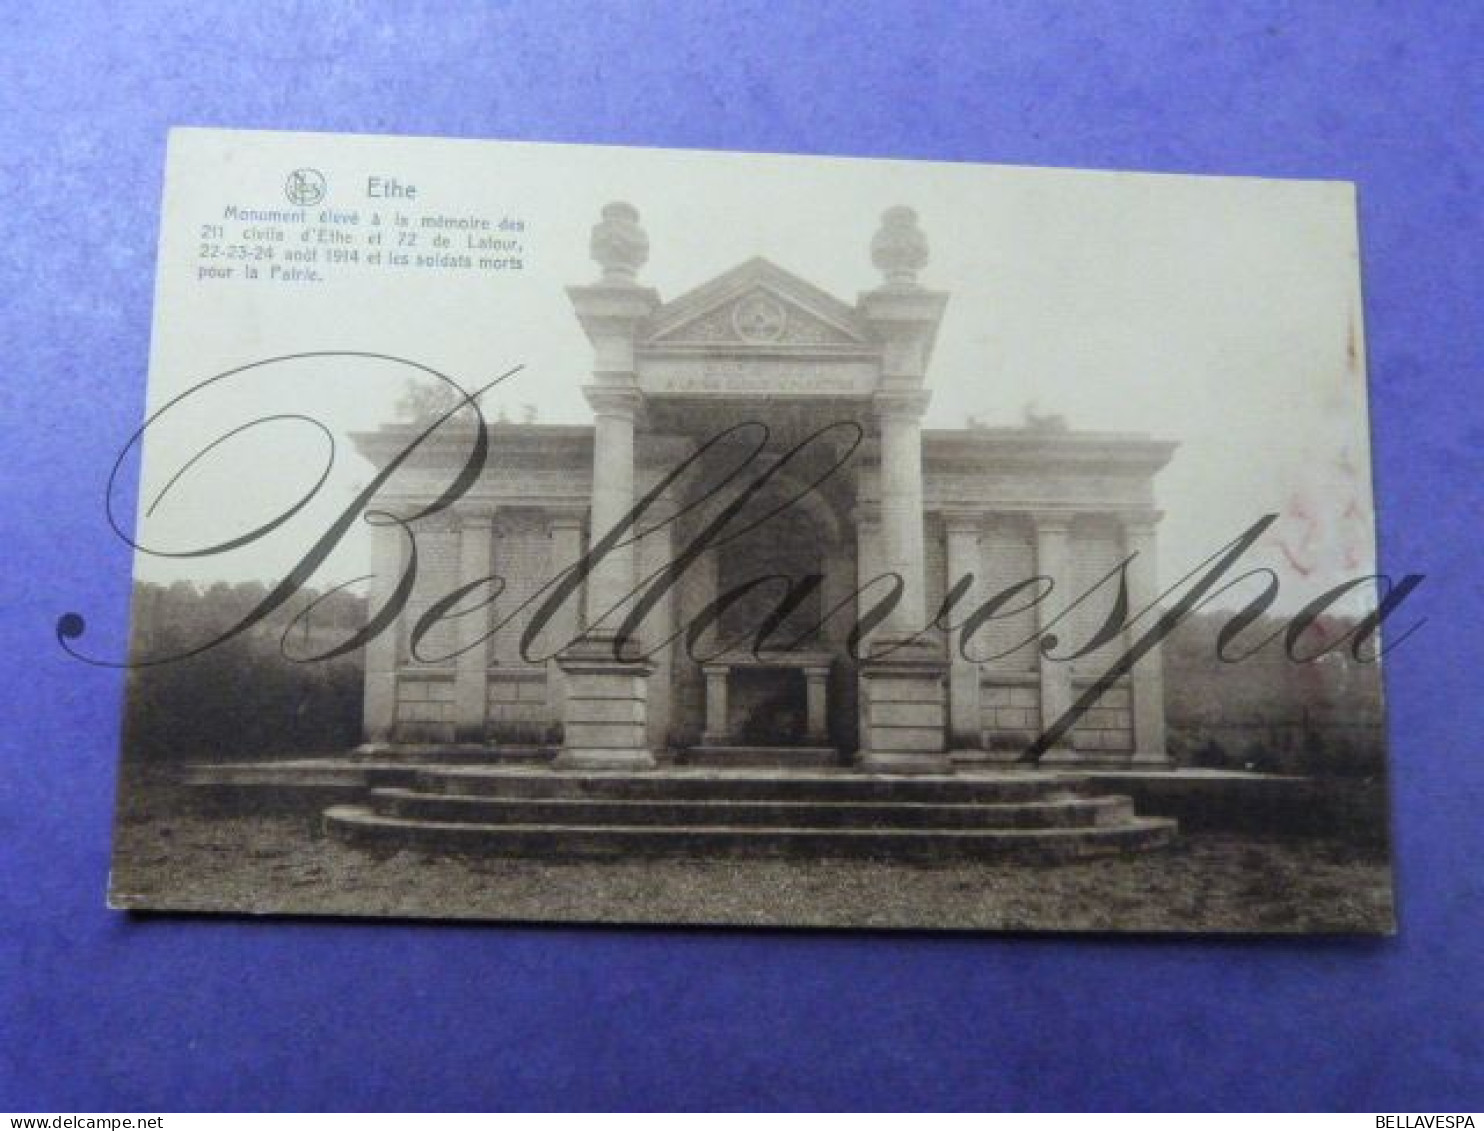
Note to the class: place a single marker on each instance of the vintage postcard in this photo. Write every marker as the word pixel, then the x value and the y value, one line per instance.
pixel 571 533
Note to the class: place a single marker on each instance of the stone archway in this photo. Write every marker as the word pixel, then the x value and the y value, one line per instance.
pixel 770 676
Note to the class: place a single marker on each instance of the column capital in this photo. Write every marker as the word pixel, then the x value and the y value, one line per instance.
pixel 906 319
pixel 1012 522
pixel 1144 523
pixel 958 520
pixel 475 514
pixel 613 400
pixel 566 518
pixel 612 307
pixel 908 404
pixel 1053 522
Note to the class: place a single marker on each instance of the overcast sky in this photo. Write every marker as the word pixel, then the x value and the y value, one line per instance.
pixel 1222 313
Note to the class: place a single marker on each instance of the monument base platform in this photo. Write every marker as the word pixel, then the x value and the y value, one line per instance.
pixel 904 712
pixel 607 699
pixel 842 813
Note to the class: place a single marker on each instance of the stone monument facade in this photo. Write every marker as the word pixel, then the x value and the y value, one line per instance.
pixel 970 511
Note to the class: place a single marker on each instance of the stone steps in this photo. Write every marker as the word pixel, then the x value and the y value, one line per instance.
pixel 361 825
pixel 793 813
pixel 1084 812
pixel 679 785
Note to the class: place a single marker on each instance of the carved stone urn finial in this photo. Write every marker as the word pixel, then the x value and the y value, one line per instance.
pixel 619 244
pixel 899 249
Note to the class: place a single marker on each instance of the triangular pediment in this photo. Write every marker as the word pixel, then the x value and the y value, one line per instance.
pixel 756 304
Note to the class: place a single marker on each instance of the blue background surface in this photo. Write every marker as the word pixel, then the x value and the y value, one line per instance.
pixel 104 1012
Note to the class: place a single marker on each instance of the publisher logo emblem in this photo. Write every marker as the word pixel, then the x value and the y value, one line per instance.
pixel 305 187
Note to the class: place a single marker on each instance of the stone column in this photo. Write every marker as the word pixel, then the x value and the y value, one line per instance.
pixel 471 673
pixel 717 732
pixel 612 579
pixel 965 729
pixel 565 527
pixel 1053 536
pixel 816 700
pixel 900 416
pixel 902 693
pixel 605 722
pixel 1147 678
pixel 605 725
pixel 903 686
pixel 380 707
pixel 868 567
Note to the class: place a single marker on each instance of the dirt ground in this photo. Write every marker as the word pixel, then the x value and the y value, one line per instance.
pixel 1206 882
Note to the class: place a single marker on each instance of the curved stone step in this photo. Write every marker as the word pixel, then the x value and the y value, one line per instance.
pixel 772 812
pixel 697 785
pixel 359 824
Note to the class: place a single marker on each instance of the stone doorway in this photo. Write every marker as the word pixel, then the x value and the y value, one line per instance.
pixel 787 545
pixel 799 693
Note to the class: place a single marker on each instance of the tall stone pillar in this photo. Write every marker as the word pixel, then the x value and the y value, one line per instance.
pixel 1053 536
pixel 565 528
pixel 471 673
pixel 1147 679
pixel 899 416
pixel 868 567
pixel 605 722
pixel 612 579
pixel 816 705
pixel 717 732
pixel 965 732
pixel 379 720
pixel 902 686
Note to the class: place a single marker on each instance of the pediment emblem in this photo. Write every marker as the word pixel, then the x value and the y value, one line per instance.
pixel 756 318
pixel 757 304
pixel 759 317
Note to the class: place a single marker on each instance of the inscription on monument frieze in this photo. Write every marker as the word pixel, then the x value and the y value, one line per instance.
pixel 726 376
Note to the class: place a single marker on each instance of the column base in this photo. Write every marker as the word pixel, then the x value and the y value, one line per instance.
pixel 983 756
pixel 904 762
pixel 1152 760
pixel 1061 756
pixel 612 761
pixel 905 713
pixel 605 723
pixel 379 721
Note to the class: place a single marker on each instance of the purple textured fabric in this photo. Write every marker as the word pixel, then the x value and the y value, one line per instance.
pixel 104 1012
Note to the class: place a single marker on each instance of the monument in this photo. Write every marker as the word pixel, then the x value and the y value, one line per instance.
pixel 766 353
